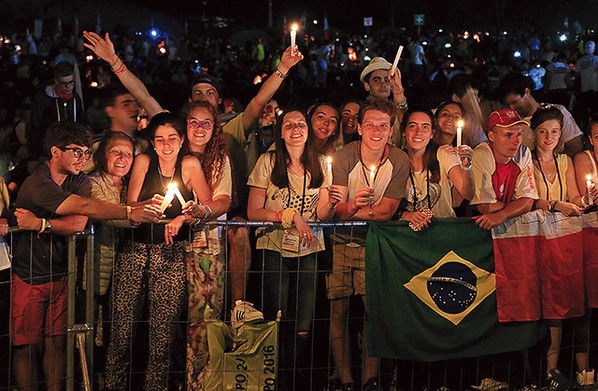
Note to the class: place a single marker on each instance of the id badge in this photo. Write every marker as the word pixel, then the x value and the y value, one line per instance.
pixel 290 240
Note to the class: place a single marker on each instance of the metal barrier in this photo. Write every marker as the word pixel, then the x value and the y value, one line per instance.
pixel 315 369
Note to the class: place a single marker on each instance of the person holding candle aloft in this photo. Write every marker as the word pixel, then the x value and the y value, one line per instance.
pixel 380 80
pixel 368 182
pixel 435 172
pixel 585 166
pixel 285 186
pixel 554 175
pixel 150 263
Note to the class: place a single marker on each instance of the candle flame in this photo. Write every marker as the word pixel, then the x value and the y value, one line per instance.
pixel 294 27
pixel 589 177
pixel 373 168
pixel 460 123
pixel 329 160
pixel 172 186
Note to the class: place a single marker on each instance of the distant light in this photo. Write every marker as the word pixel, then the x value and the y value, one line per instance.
pixel 563 38
pixel 18 48
pixel 93 84
pixel 365 35
pixel 439 30
pixel 452 65
pixel 425 43
pixel 336 39
pixel 88 58
pixel 447 45
pixel 517 54
pixel 154 33
pixel 366 58
pixel 367 49
pixel 315 21
pixel 162 50
pixel 504 33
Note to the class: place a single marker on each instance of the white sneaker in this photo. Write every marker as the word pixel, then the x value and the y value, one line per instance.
pixel 585 377
pixel 244 312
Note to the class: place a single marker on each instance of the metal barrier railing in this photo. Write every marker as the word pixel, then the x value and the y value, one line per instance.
pixel 81 326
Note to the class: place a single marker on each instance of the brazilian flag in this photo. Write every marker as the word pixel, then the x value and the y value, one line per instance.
pixel 431 294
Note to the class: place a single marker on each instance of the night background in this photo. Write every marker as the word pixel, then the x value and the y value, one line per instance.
pixel 490 15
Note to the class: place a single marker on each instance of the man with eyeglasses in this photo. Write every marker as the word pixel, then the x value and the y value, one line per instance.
pixel 58 102
pixel 52 203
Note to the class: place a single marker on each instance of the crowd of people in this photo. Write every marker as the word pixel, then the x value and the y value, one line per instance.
pixel 366 141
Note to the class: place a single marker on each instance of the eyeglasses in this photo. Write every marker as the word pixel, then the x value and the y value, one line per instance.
pixel 78 153
pixel 66 83
pixel 196 124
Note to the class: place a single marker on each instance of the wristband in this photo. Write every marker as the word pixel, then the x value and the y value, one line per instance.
pixel 278 73
pixel 278 216
pixel 120 70
pixel 403 105
pixel 42 227
pixel 553 206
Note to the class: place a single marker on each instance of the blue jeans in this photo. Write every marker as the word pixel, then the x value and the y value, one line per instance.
pixel 289 284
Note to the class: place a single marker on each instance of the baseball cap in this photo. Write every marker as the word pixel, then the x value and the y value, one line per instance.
pixel 505 118
pixel 375 64
pixel 207 79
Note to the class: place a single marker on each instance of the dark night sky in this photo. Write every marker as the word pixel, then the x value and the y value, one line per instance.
pixel 345 14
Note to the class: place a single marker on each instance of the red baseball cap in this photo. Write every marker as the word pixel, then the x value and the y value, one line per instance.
pixel 505 118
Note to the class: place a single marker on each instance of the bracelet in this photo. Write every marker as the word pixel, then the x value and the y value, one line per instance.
pixel 207 211
pixel 403 105
pixel 552 208
pixel 535 204
pixel 42 227
pixel 278 216
pixel 120 70
pixel 128 211
pixel 278 73
pixel 115 62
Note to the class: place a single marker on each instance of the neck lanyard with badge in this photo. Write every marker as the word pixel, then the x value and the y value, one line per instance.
pixel 290 238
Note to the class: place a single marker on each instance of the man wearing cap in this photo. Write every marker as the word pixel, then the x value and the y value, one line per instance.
pixel 502 171
pixel 379 84
pixel 516 92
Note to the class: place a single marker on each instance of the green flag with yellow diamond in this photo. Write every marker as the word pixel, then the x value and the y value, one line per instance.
pixel 431 294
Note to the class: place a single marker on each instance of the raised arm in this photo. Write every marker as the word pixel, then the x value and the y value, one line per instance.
pixel 104 49
pixel 254 108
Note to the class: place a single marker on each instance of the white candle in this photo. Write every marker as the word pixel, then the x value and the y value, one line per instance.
pixel 293 39
pixel 174 188
pixel 167 200
pixel 459 133
pixel 589 185
pixel 372 176
pixel 396 61
pixel 329 163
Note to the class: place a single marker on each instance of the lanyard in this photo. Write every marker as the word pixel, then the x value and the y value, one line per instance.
pixel 558 174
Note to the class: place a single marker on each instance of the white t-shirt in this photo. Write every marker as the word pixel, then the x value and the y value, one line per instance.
pixel 484 168
pixel 270 238
pixel 439 200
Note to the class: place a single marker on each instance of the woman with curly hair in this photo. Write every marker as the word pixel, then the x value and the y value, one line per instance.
pixel 205 260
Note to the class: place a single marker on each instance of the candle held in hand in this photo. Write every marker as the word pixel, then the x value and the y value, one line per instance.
pixel 589 185
pixel 167 200
pixel 396 61
pixel 372 176
pixel 293 39
pixel 459 133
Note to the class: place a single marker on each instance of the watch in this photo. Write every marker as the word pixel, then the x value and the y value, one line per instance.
pixel 48 227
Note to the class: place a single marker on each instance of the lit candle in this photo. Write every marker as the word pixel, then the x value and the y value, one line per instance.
pixel 167 199
pixel 293 39
pixel 589 185
pixel 396 62
pixel 329 163
pixel 459 132
pixel 174 188
pixel 372 176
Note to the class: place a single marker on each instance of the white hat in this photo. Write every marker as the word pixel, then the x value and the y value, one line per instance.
pixel 375 64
